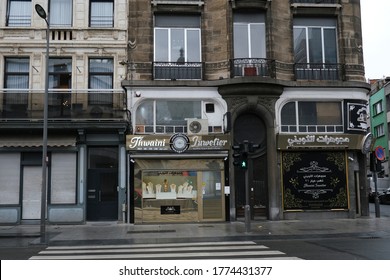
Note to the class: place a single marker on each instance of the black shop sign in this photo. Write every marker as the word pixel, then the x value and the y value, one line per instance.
pixel 169 210
pixel 314 180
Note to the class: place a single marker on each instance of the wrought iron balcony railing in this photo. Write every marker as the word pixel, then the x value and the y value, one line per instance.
pixel 178 70
pixel 63 104
pixel 319 71
pixel 252 67
pixel 314 1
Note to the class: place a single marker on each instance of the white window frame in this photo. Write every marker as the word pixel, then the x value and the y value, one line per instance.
pixel 338 128
pixel 378 107
pixel 379 130
pixel 186 30
pixel 323 26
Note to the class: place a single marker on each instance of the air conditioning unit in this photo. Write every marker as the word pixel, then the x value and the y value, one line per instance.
pixel 197 126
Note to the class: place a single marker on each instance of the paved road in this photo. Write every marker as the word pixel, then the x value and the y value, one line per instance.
pixel 335 248
pixel 357 246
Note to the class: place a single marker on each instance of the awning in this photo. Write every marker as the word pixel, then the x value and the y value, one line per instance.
pixel 35 141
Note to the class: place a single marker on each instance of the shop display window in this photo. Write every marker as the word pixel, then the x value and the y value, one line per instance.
pixel 175 195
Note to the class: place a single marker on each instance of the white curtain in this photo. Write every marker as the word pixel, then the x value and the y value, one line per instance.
pixel 19 13
pixel 61 12
pixel 102 14
pixel 17 72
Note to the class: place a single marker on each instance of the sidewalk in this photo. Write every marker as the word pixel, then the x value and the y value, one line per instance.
pixel 114 233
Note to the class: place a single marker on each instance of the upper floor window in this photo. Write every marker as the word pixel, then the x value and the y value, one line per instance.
pixel 315 40
pixel 61 13
pixel 15 98
pixel 19 13
pixel 101 13
pixel 249 45
pixel 177 38
pixel 378 108
pixel 17 73
pixel 311 116
pixel 100 78
pixel 101 73
pixel 60 73
pixel 379 130
pixel 177 47
pixel 249 35
pixel 315 49
pixel 166 116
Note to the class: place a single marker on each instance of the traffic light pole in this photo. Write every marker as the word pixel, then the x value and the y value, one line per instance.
pixel 247 200
pixel 242 157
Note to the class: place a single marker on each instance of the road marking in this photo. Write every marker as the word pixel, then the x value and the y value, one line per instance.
pixel 195 250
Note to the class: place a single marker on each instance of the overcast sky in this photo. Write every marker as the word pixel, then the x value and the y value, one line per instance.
pixel 376 37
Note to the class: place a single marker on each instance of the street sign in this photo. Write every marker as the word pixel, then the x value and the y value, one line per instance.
pixel 380 153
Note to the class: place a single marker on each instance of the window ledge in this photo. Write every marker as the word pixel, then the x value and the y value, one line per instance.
pixel 177 2
pixel 305 5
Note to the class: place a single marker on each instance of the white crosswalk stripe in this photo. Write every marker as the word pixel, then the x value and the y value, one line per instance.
pixel 193 250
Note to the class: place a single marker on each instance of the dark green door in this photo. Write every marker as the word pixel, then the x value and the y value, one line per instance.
pixel 102 194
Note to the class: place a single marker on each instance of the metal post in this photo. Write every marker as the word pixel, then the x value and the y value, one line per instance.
pixel 42 13
pixel 247 190
pixel 247 203
pixel 377 208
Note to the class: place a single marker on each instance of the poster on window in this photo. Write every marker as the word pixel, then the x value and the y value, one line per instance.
pixel 314 180
pixel 357 116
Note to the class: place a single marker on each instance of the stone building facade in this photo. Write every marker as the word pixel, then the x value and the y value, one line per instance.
pixel 292 76
pixel 149 96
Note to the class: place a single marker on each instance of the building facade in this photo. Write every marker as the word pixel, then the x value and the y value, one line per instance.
pixel 87 110
pixel 189 79
pixel 379 118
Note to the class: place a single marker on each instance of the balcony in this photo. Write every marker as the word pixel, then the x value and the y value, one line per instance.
pixel 260 67
pixel 314 1
pixel 319 71
pixel 63 105
pixel 178 70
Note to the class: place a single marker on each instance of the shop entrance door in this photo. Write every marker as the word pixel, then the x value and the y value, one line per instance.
pixel 102 194
pixel 252 128
pixel 213 207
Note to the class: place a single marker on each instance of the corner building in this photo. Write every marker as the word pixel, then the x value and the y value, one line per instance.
pixel 287 75
pixel 147 97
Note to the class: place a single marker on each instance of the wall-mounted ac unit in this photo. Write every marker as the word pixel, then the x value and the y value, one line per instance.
pixel 197 126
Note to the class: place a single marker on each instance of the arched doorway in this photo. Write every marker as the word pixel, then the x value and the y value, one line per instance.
pixel 251 127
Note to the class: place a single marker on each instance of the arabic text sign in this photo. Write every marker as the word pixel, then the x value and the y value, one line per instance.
pixel 349 141
pixel 314 180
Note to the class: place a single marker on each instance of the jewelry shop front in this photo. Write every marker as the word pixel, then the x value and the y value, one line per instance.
pixel 177 178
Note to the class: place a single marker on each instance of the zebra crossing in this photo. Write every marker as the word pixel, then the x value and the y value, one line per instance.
pixel 191 250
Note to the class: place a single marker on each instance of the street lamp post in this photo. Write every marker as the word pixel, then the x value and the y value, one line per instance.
pixel 42 13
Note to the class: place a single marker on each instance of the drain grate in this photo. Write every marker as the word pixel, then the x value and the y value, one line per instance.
pixel 369 237
pixel 316 229
pixel 152 231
